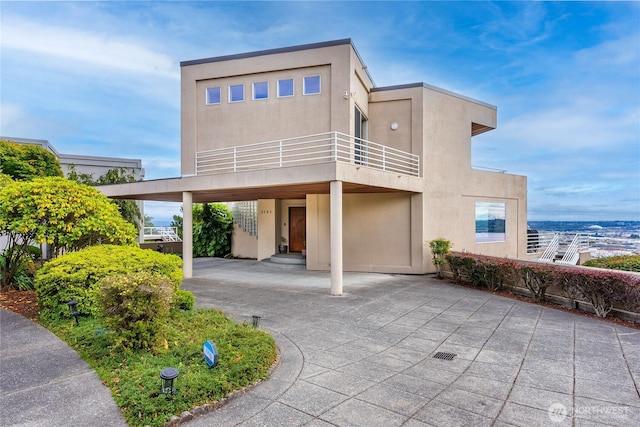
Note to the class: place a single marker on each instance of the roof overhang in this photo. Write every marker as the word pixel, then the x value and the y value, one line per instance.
pixel 281 183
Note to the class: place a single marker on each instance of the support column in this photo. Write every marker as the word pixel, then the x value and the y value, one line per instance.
pixel 187 234
pixel 336 237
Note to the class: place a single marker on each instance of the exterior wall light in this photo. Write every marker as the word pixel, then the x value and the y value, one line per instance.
pixel 168 375
pixel 73 309
pixel 255 321
pixel 394 126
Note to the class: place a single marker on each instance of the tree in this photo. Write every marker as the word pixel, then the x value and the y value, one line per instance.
pixel 67 215
pixel 177 222
pixel 148 221
pixel 128 208
pixel 24 162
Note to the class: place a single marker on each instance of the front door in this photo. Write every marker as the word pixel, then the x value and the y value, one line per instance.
pixel 297 228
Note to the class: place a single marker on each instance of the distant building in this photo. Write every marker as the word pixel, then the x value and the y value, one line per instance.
pixel 95 166
pixel 360 177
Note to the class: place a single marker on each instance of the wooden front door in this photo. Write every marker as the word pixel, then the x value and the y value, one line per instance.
pixel 297 228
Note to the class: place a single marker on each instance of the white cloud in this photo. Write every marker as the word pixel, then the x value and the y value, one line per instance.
pixel 92 48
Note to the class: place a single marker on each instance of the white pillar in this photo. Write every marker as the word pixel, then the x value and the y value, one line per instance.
pixel 336 237
pixel 187 234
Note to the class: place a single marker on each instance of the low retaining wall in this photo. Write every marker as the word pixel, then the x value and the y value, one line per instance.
pixel 164 247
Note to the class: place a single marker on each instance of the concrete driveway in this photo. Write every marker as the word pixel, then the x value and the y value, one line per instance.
pixel 367 358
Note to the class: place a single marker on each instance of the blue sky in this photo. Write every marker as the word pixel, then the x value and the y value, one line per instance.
pixel 103 78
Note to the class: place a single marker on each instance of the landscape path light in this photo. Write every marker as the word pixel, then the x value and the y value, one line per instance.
pixel 255 321
pixel 73 308
pixel 168 375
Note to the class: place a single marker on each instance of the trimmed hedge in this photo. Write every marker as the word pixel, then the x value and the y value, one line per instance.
pixel 603 289
pixel 76 275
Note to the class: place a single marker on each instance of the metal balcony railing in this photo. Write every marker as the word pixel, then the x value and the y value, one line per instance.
pixel 304 150
pixel 557 247
pixel 166 234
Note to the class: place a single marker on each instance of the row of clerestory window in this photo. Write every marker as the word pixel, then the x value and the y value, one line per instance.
pixel 260 90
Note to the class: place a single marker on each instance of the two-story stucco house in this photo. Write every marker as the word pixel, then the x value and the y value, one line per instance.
pixel 360 176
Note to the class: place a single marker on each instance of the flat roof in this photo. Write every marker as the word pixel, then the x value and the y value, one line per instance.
pixel 267 52
pixel 434 88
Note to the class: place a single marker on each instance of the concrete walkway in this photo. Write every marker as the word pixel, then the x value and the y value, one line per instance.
pixel 43 382
pixel 367 358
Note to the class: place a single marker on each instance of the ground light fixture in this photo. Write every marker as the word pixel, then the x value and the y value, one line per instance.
pixel 255 321
pixel 73 308
pixel 168 375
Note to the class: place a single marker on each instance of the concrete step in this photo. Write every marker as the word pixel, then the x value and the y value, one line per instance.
pixel 288 259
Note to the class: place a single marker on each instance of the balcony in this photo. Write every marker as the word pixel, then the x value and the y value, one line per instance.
pixel 306 150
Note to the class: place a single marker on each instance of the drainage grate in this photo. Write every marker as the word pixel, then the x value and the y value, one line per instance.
pixel 444 356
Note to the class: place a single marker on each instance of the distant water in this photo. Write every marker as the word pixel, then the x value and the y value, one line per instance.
pixel 606 227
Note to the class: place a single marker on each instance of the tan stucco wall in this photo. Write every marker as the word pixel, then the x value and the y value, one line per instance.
pixel 268 219
pixel 243 244
pixel 377 233
pixel 231 124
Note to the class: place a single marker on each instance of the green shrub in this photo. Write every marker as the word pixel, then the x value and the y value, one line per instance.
pixel 624 262
pixel 23 268
pixel 439 248
pixel 603 289
pixel 456 266
pixel 75 275
pixel 484 271
pixel 183 300
pixel 212 235
pixel 537 277
pixel 135 308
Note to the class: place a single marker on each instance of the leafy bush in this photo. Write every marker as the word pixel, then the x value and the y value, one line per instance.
pixel 135 308
pixel 603 289
pixel 439 248
pixel 456 265
pixel 212 236
pixel 501 273
pixel 183 300
pixel 483 271
pixel 537 277
pixel 22 270
pixel 625 262
pixel 75 275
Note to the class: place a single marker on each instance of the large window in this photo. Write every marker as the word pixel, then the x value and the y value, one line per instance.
pixel 236 93
pixel 285 88
pixel 491 222
pixel 311 85
pixel 213 95
pixel 261 90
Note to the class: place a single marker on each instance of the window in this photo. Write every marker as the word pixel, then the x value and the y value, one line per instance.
pixel 285 88
pixel 236 93
pixel 213 95
pixel 361 149
pixel 491 222
pixel 261 90
pixel 311 85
